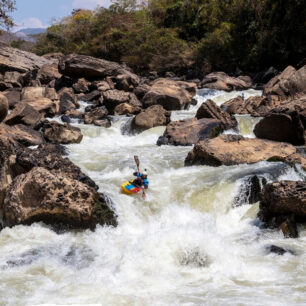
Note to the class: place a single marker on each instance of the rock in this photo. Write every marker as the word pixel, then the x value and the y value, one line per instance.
pixel 54 57
pixel 249 191
pixel 209 109
pixel 141 90
pixel 45 106
pixel 68 100
pixel 278 250
pixel 126 109
pixel 113 98
pixel 102 85
pixel 25 114
pixel 75 114
pixel 65 119
pixel 126 81
pixel 41 195
pixel 13 96
pixel 289 83
pixel 48 73
pixel 102 123
pixel 235 149
pixel 221 81
pixel 32 93
pixel 14 78
pixel 98 113
pixel 62 133
pixel 289 228
pixel 170 94
pixel 151 117
pixel 12 59
pixel 22 134
pixel 75 65
pixel 94 95
pixel 281 127
pixel 81 86
pixel 189 131
pixel 3 107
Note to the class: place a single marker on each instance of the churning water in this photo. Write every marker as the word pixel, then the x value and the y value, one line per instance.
pixel 186 244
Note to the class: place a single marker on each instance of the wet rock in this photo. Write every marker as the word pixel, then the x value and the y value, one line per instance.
pixel 281 127
pixel 62 133
pixel 41 195
pixel 277 250
pixel 210 109
pixel 25 114
pixel 22 134
pixel 65 119
pixel 190 131
pixel 221 81
pixel 102 123
pixel 12 59
pixel 289 83
pixel 3 107
pixel 249 191
pixel 13 96
pixel 98 113
pixel 94 95
pixel 81 86
pixel 151 117
pixel 172 95
pixel 113 98
pixel 126 109
pixel 48 73
pixel 235 149
pixel 289 227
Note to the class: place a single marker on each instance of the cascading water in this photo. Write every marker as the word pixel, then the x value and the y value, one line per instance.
pixel 186 244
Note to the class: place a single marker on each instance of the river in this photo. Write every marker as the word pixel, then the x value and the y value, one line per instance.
pixel 186 244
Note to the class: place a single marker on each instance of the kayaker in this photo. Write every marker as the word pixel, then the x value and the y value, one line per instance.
pixel 141 180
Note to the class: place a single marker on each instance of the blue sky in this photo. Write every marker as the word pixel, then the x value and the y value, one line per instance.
pixel 39 13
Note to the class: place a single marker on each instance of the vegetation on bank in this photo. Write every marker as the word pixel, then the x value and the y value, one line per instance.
pixel 176 35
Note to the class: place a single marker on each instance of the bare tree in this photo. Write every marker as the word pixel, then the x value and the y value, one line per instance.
pixel 6 7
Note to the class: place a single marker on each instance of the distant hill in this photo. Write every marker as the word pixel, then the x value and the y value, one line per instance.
pixel 31 31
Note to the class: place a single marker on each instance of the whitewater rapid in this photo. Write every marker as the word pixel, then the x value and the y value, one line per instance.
pixel 185 245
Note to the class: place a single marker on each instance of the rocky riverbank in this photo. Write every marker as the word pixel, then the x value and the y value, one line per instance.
pixel 42 185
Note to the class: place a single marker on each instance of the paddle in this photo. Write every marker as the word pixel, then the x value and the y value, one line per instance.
pixel 137 164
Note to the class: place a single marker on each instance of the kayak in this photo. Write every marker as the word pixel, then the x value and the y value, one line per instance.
pixel 129 188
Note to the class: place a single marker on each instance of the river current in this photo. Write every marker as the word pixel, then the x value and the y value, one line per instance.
pixel 186 244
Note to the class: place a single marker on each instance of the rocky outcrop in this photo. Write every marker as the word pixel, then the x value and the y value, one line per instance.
pixel 282 204
pixel 22 134
pixel 93 68
pixel 221 81
pixel 290 82
pixel 151 117
pixel 3 107
pixel 281 127
pixel 190 131
pixel 209 109
pixel 113 98
pixel 172 95
pixel 52 197
pixel 61 133
pixel 96 114
pixel 12 59
pixel 235 149
pixel 25 114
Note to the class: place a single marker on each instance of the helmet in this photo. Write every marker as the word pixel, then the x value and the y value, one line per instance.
pixel 144 174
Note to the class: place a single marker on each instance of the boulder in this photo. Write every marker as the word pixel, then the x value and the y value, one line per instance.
pixel 126 81
pixel 235 149
pixel 81 86
pixel 209 109
pixel 189 131
pixel 113 98
pixel 75 65
pixel 48 73
pixel 14 78
pixel 13 96
pixel 172 95
pixel 102 85
pixel 22 134
pixel 42 195
pixel 3 107
pixel 98 113
pixel 126 109
pixel 62 133
pixel 75 114
pixel 281 127
pixel 54 57
pixel 151 117
pixel 221 81
pixel 92 96
pixel 51 94
pixel 290 82
pixel 25 114
pixel 32 93
pixel 12 59
pixel 102 123
pixel 141 90
pixel 68 100
pixel 45 106
pixel 282 203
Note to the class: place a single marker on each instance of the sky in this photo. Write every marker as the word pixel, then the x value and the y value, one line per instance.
pixel 40 13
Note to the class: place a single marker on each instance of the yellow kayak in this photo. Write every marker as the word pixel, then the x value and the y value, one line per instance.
pixel 129 188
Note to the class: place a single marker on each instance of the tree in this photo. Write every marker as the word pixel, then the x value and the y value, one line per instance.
pixel 6 6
